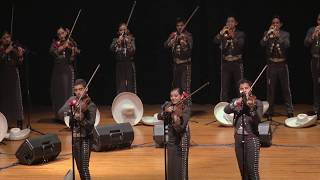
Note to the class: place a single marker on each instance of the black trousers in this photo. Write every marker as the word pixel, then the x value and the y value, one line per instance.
pixel 82 152
pixel 126 77
pixel 230 72
pixel 182 76
pixel 178 151
pixel 315 70
pixel 251 146
pixel 278 72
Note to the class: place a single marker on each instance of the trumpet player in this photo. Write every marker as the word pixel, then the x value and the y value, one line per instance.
pixel 231 43
pixel 276 42
pixel 312 41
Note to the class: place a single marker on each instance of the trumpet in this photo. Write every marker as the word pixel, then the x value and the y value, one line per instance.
pixel 271 32
pixel 225 31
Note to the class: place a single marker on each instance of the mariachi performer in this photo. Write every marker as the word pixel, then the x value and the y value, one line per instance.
pixel 64 51
pixel 82 124
pixel 177 117
pixel 312 41
pixel 11 56
pixel 124 49
pixel 276 43
pixel 180 43
pixel 247 116
pixel 231 42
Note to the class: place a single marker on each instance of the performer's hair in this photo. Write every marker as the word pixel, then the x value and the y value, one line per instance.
pixel 5 32
pixel 80 82
pixel 278 17
pixel 178 89
pixel 243 81
pixel 179 19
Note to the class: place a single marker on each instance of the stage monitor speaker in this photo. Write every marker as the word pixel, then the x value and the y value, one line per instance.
pixel 265 134
pixel 41 149
pixel 158 135
pixel 112 137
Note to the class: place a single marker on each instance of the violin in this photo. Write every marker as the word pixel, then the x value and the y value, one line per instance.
pixel 81 107
pixel 15 51
pixel 179 38
pixel 249 100
pixel 177 110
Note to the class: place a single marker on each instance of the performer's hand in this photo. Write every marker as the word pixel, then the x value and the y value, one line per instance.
pixel 238 102
pixel 183 43
pixel 169 109
pixel 20 51
pixel 9 49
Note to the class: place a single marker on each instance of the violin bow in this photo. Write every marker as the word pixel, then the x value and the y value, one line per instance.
pixel 133 6
pixel 187 22
pixel 74 23
pixel 188 97
pixel 86 88
pixel 258 77
pixel 12 16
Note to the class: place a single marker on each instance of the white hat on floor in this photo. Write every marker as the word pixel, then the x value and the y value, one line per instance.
pixel 14 134
pixel 223 118
pixel 265 105
pixel 127 107
pixel 301 121
pixel 151 120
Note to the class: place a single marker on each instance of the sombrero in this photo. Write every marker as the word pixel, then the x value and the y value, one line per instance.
pixel 14 134
pixel 301 121
pixel 127 107
pixel 223 118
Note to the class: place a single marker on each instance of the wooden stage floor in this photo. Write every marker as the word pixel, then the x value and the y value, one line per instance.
pixel 295 153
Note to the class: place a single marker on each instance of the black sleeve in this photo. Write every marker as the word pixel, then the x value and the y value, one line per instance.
pixel 308 39
pixel 185 117
pixel 164 115
pixel 90 119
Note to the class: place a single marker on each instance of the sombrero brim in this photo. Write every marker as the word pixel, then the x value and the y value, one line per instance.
pixel 3 127
pixel 295 123
pixel 219 114
pixel 150 120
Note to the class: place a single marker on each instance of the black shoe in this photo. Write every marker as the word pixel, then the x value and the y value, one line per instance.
pixel 290 115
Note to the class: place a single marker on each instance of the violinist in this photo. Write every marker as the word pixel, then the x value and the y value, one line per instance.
pixel 248 113
pixel 64 51
pixel 231 42
pixel 276 43
pixel 312 41
pixel 84 118
pixel 180 42
pixel 177 117
pixel 124 49
pixel 11 56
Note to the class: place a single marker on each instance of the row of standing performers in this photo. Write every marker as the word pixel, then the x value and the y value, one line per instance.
pixel 231 41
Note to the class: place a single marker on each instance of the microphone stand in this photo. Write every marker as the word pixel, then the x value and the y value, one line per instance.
pixel 28 94
pixel 165 150
pixel 72 125
pixel 242 124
